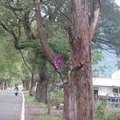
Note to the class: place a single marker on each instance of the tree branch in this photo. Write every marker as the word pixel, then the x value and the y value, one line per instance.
pixel 66 35
pixel 12 33
pixel 61 12
pixel 12 8
pixel 45 46
pixel 25 62
pixel 94 17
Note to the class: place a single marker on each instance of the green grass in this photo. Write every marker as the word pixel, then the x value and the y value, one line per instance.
pixel 41 105
pixel 47 117
pixel 30 99
pixel 24 90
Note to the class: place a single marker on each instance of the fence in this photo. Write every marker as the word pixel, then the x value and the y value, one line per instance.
pixel 111 101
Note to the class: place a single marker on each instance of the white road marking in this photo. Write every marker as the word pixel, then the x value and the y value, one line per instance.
pixel 23 108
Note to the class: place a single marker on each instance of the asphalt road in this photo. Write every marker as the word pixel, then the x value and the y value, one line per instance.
pixel 10 105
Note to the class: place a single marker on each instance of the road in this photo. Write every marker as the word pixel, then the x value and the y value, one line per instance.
pixel 10 105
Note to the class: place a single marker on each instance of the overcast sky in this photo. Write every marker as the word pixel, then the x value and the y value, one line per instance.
pixel 118 2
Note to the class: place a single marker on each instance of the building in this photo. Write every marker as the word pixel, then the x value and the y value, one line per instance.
pixel 103 86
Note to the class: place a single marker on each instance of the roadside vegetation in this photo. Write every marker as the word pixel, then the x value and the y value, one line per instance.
pixel 102 112
pixel 56 99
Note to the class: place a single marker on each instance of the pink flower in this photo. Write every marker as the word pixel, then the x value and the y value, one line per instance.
pixel 57 61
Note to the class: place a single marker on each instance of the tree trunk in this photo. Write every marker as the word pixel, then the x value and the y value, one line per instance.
pixel 81 60
pixel 23 83
pixel 31 85
pixel 66 102
pixel 0 85
pixel 9 85
pixel 50 87
pixel 41 91
pixel 72 100
pixel 69 111
pixel 3 86
pixel 26 86
pixel 31 82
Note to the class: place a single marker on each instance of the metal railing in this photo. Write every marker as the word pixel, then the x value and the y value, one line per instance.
pixel 110 101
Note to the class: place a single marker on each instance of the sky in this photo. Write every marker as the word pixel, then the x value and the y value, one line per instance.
pixel 110 60
pixel 118 2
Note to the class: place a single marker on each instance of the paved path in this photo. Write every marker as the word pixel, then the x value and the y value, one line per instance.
pixel 10 105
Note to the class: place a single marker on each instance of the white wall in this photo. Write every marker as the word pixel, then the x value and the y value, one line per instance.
pixel 106 82
pixel 116 75
pixel 104 90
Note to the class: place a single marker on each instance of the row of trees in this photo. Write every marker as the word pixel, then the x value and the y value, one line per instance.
pixel 60 33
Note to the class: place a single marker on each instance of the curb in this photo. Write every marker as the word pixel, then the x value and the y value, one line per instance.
pixel 23 108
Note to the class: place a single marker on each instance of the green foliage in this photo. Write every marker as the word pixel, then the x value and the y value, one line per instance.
pixel 9 59
pixel 35 56
pixel 103 113
pixel 96 56
pixel 56 97
pixel 57 40
pixel 100 113
pixel 107 33
pixel 47 117
pixel 30 99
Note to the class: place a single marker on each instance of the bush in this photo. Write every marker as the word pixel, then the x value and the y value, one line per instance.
pixel 56 97
pixel 102 113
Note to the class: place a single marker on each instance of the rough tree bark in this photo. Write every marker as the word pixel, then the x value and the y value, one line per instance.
pixel 41 91
pixel 79 87
pixel 31 85
pixel 80 48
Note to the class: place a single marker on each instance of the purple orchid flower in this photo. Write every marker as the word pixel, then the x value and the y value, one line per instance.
pixel 57 61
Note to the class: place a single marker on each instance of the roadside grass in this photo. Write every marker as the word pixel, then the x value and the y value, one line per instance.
pixel 56 97
pixel 30 99
pixel 47 117
pixel 24 90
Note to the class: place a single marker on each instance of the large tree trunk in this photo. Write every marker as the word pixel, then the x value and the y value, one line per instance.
pixel 72 100
pixel 69 111
pixel 41 91
pixel 80 47
pixel 66 102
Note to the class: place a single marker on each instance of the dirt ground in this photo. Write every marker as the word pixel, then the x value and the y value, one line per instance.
pixel 32 110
